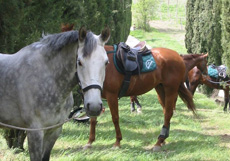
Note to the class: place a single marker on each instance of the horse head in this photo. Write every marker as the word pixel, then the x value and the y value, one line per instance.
pixel 202 65
pixel 91 64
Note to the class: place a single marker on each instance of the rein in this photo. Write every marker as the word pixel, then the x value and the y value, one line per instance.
pixel 218 82
pixel 39 129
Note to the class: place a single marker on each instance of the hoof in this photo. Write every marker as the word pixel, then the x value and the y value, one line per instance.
pixel 139 111
pixel 162 144
pixel 156 148
pixel 115 147
pixel 87 146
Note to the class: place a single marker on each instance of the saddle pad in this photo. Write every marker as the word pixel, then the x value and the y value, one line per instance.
pixel 149 63
pixel 212 72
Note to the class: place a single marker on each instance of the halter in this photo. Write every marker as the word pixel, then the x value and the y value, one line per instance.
pixel 96 86
pixel 218 82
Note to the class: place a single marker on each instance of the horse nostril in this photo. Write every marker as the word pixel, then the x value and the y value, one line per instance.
pixel 87 106
pixel 101 106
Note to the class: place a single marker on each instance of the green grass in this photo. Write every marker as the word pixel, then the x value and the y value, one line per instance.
pixel 159 39
pixel 172 11
pixel 191 137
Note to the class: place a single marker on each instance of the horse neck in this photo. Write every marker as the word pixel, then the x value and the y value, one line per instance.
pixel 109 48
pixel 191 62
pixel 63 63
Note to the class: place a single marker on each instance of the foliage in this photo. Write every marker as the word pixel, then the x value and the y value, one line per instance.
pixel 189 25
pixel 171 10
pixel 143 11
pixel 23 22
pixel 226 32
pixel 203 29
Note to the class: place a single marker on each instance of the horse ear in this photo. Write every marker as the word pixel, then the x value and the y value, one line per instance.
pixel 105 35
pixel 205 55
pixel 82 33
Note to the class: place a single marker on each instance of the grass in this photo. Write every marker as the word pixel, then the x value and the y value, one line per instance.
pixel 191 137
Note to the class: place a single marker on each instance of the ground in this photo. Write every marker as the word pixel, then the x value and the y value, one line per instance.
pixel 178 32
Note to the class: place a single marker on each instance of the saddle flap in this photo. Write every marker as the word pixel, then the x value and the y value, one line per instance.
pixel 130 65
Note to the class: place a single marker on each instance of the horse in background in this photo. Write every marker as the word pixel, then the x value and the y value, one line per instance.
pixel 167 79
pixel 195 78
pixel 36 84
pixel 191 60
pixel 66 27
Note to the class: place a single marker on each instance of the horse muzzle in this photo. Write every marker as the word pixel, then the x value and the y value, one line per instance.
pixel 92 109
pixel 92 100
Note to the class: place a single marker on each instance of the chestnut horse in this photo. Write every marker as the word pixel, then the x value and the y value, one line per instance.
pixel 190 60
pixel 195 78
pixel 168 80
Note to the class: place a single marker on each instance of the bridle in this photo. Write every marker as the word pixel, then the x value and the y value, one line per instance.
pixel 92 86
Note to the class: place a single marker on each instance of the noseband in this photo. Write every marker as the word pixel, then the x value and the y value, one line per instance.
pixel 93 86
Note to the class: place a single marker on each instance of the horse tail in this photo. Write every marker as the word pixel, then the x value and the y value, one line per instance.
pixel 187 97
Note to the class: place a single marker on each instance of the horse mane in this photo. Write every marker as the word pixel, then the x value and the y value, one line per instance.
pixel 57 42
pixel 189 56
pixel 90 44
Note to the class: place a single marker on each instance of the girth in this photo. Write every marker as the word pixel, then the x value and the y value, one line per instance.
pixel 128 61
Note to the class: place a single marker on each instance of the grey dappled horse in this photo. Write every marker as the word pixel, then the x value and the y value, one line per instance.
pixel 36 84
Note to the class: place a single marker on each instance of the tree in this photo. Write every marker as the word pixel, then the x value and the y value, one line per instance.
pixel 203 29
pixel 143 12
pixel 226 32
pixel 189 25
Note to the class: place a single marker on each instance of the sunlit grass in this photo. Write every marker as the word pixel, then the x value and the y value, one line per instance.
pixel 191 137
pixel 154 38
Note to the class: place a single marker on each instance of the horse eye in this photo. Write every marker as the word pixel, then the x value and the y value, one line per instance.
pixel 106 63
pixel 79 63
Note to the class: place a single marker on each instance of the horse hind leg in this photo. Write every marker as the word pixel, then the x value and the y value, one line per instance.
pixel 169 97
pixel 226 99
pixel 132 103
pixel 161 95
pixel 139 108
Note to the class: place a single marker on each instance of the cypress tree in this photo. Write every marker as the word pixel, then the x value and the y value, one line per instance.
pixel 203 29
pixel 196 28
pixel 10 19
pixel 225 41
pixel 189 25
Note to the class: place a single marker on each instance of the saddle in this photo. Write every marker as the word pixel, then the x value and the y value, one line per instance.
pixel 218 72
pixel 128 61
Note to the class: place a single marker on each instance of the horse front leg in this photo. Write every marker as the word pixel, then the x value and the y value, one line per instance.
pixel 92 133
pixel 35 144
pixel 170 103
pixel 226 98
pixel 113 105
pixel 50 137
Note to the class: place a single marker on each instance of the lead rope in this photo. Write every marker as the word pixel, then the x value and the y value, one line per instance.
pixel 217 82
pixel 39 129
